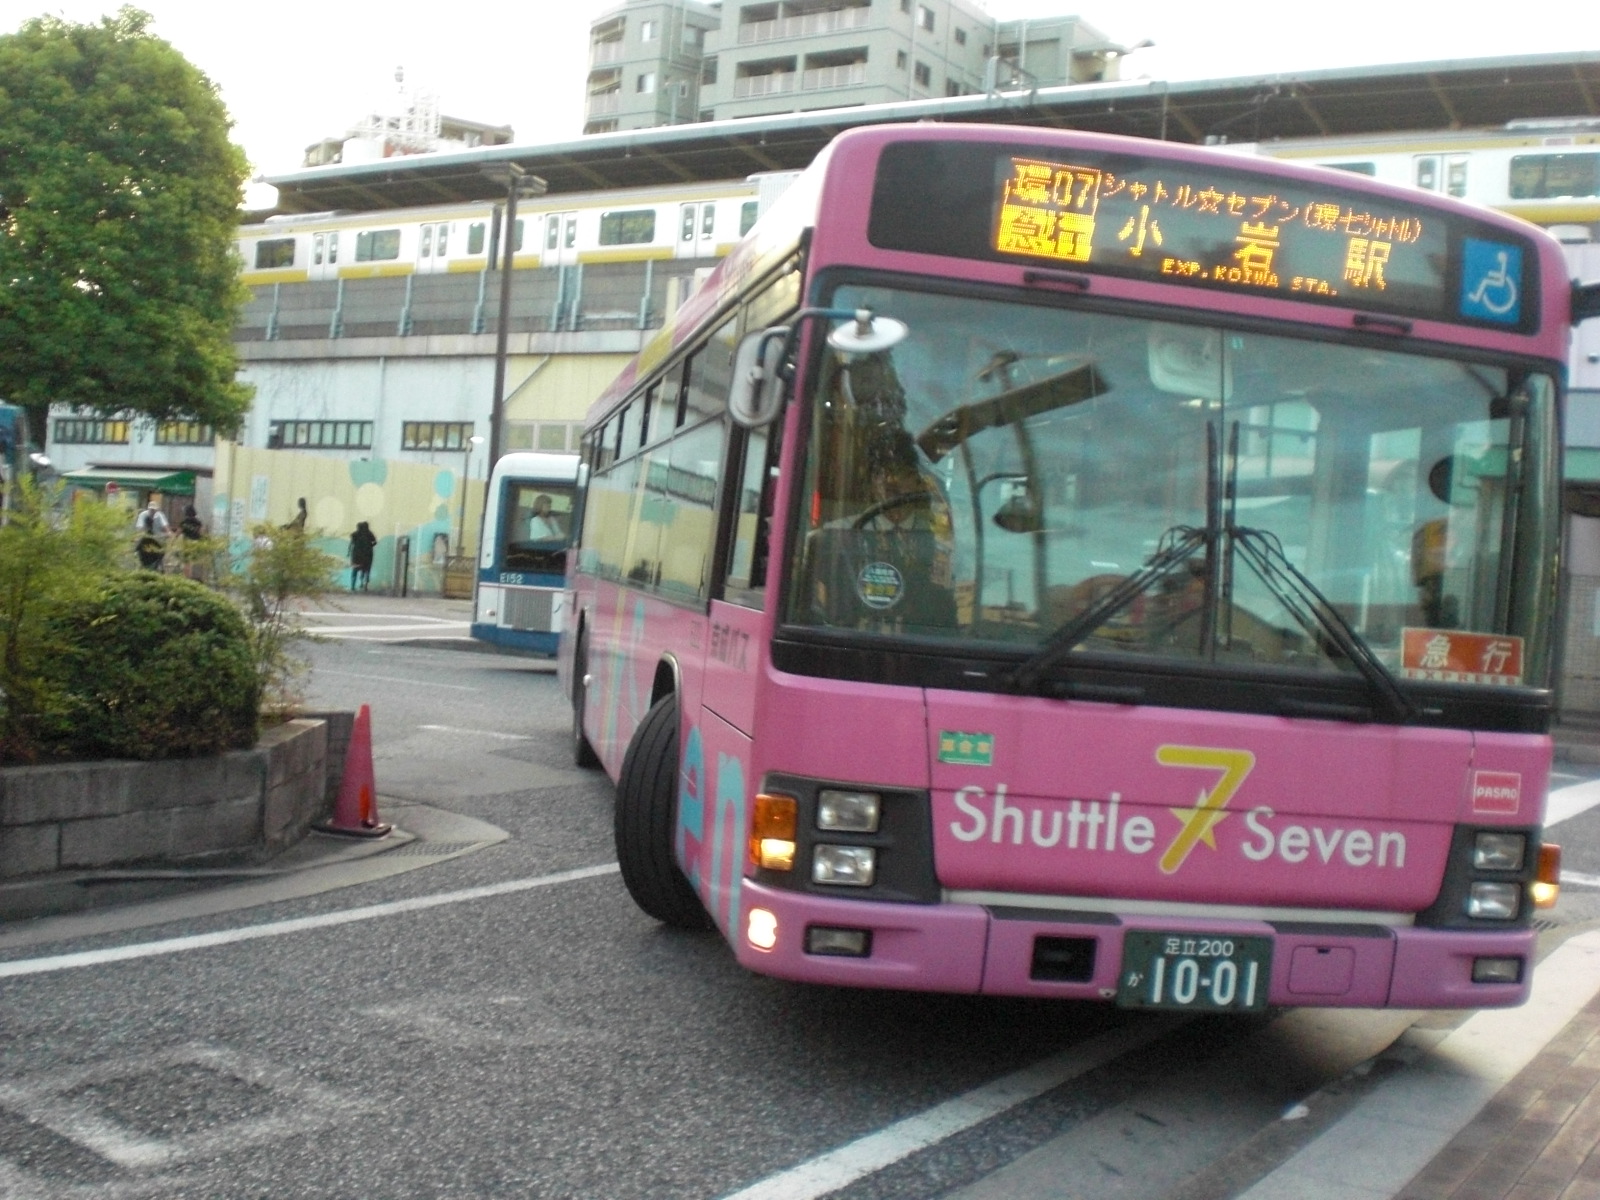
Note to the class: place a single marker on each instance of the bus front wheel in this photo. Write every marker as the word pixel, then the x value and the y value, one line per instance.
pixel 647 809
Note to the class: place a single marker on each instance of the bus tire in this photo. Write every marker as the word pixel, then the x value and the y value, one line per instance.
pixel 583 754
pixel 646 817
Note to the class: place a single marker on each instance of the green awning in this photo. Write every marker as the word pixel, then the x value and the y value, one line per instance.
pixel 168 483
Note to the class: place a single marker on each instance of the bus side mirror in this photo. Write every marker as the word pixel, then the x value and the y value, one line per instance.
pixel 757 392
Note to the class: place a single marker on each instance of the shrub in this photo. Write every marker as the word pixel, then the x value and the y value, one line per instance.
pixel 284 568
pixel 148 666
pixel 50 552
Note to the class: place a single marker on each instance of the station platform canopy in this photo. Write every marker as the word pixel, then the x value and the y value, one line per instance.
pixel 1454 94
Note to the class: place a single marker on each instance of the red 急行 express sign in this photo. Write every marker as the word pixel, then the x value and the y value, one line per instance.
pixel 1453 656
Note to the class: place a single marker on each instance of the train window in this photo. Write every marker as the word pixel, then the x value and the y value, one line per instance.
pixel 552 234
pixel 475 233
pixel 333 247
pixel 1428 172
pixel 377 245
pixel 572 232
pixel 1455 175
pixel 1546 176
pixel 1355 168
pixel 274 252
pixel 628 228
pixel 317 243
pixel 747 215
pixel 708 219
pixel 444 240
pixel 425 246
pixel 687 232
pixel 516 236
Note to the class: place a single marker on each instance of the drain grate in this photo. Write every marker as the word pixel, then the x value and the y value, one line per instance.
pixel 432 849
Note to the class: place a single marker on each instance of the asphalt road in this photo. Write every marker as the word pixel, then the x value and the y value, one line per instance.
pixel 507 1023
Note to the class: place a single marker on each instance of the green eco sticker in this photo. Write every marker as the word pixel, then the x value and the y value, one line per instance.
pixel 967 749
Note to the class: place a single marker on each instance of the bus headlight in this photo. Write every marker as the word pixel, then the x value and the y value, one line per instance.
pixel 1494 901
pixel 1493 851
pixel 848 812
pixel 847 866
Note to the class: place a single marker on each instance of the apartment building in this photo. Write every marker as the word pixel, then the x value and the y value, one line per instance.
pixel 671 62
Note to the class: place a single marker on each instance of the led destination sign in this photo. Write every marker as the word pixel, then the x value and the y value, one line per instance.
pixel 1188 223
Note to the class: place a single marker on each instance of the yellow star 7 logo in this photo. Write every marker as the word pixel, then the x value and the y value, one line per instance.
pixel 1200 821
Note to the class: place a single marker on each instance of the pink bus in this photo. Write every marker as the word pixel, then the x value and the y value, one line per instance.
pixel 1046 564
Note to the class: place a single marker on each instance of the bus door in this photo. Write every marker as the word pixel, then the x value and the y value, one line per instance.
pixel 697 224
pixel 560 239
pixel 324 255
pixel 433 247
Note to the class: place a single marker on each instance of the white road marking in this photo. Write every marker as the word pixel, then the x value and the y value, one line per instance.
pixel 247 933
pixel 344 631
pixel 838 1168
pixel 454 687
pixel 1568 802
pixel 488 733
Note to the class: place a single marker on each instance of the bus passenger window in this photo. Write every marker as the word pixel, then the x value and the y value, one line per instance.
pixel 711 374
pixel 747 561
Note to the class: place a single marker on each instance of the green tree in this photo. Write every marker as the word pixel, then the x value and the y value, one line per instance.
pixel 119 196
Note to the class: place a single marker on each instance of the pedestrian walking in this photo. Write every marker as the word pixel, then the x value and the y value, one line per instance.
pixel 361 543
pixel 191 529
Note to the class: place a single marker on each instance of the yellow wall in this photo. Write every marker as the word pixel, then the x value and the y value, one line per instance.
pixel 397 500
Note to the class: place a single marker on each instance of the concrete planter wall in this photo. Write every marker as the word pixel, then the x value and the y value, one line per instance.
pixel 243 806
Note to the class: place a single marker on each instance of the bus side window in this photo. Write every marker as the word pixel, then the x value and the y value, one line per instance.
pixel 711 374
pixel 752 518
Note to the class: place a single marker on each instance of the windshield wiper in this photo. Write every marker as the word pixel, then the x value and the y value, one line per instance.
pixel 1306 603
pixel 1177 545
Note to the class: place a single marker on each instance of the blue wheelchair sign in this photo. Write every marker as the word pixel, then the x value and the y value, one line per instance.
pixel 1491 281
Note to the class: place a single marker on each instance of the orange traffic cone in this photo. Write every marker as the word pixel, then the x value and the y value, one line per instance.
pixel 355 813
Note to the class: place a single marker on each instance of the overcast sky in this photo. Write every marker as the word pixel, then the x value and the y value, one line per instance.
pixel 294 71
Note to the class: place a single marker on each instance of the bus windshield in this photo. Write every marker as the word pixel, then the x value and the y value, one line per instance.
pixel 1015 473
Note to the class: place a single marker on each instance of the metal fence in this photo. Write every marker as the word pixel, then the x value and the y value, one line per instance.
pixel 585 296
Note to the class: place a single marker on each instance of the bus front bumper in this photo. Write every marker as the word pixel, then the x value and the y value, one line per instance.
pixel 1079 956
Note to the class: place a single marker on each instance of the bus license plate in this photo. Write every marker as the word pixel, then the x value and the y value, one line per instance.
pixel 1194 971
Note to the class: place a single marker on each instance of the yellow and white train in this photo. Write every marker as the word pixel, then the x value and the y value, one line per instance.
pixel 1544 171
pixel 685 221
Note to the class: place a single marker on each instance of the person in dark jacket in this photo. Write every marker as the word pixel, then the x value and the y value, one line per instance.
pixel 361 543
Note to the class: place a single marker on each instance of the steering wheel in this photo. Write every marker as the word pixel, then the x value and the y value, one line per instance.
pixel 888 505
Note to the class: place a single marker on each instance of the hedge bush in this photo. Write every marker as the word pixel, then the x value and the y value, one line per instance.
pixel 148 666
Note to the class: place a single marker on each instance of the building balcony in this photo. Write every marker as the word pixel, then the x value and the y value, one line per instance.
pixel 604 104
pixel 806 26
pixel 605 52
pixel 764 85
pixel 846 75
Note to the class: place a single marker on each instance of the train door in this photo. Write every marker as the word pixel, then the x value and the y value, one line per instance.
pixel 433 247
pixel 325 255
pixel 697 226
pixel 560 239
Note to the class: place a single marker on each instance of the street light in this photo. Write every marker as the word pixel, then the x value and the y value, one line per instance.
pixel 518 183
pixel 466 460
